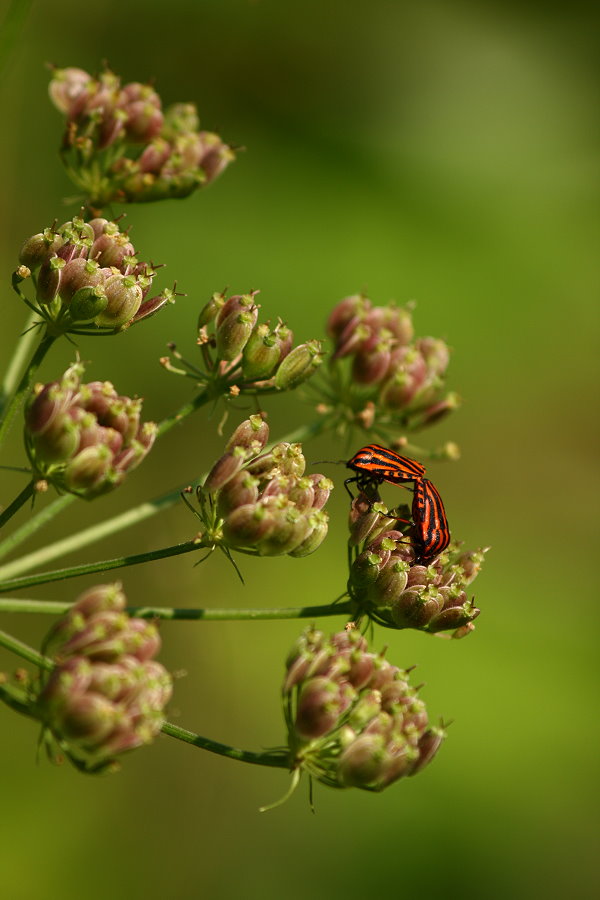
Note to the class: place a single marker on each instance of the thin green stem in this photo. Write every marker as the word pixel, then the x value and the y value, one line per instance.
pixel 103 566
pixel 30 527
pixel 17 605
pixel 22 350
pixel 279 759
pixel 17 699
pixel 183 412
pixel 24 385
pixel 80 538
pixel 24 651
pixel 17 503
pixel 109 526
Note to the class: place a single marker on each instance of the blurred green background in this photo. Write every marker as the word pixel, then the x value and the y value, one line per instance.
pixel 437 152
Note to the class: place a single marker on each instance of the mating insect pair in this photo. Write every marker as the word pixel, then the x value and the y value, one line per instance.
pixel 374 465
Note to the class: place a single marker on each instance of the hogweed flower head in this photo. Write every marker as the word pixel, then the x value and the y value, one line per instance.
pixel 155 154
pixel 353 718
pixel 263 501
pixel 393 379
pixel 243 355
pixel 88 278
pixel 107 693
pixel 84 438
pixel 390 586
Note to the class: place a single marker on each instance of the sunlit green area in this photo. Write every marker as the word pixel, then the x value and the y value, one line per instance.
pixel 441 153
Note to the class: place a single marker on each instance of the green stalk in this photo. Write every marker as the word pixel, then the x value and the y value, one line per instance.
pixel 24 347
pixel 279 759
pixel 113 525
pixel 30 527
pixel 24 651
pixel 18 605
pixel 103 566
pixel 17 503
pixel 24 385
pixel 80 538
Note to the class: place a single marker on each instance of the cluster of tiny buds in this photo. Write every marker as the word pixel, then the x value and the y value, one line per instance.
pixel 400 375
pixel 88 277
pixel 390 583
pixel 263 500
pixel 84 438
pixel 353 718
pixel 155 154
pixel 243 356
pixel 106 693
pixel 249 356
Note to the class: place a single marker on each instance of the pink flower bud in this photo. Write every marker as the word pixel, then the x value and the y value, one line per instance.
pixel 69 90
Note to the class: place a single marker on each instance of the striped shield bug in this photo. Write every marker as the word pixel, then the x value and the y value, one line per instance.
pixel 430 522
pixel 374 465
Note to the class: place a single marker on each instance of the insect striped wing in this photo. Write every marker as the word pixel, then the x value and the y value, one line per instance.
pixel 386 465
pixel 429 517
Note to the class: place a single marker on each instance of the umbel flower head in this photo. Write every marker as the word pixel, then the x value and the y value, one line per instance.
pixel 262 501
pixel 88 278
pixel 107 693
pixel 84 438
pixel 388 584
pixel 152 154
pixel 393 376
pixel 245 356
pixel 353 719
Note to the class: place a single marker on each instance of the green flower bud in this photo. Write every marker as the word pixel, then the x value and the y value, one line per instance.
pixel 48 283
pixel 39 248
pixel 124 297
pixel 298 365
pixel 247 525
pixel 224 469
pixel 233 332
pixel 290 528
pixel 319 523
pixel 253 431
pixel 261 354
pixel 240 490
pixel 211 310
pixel 87 304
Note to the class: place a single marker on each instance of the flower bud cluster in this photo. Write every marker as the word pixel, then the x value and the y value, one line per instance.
pixel 107 693
pixel 258 356
pixel 388 585
pixel 402 376
pixel 264 501
pixel 84 438
pixel 155 154
pixel 353 718
pixel 88 277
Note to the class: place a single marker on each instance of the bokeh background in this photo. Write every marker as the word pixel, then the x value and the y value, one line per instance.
pixel 438 152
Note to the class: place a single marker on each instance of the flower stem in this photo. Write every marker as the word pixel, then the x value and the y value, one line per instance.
pixel 183 412
pixel 80 538
pixel 19 605
pixel 17 503
pixel 30 527
pixel 24 651
pixel 278 759
pixel 23 348
pixel 109 526
pixel 103 566
pixel 24 385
